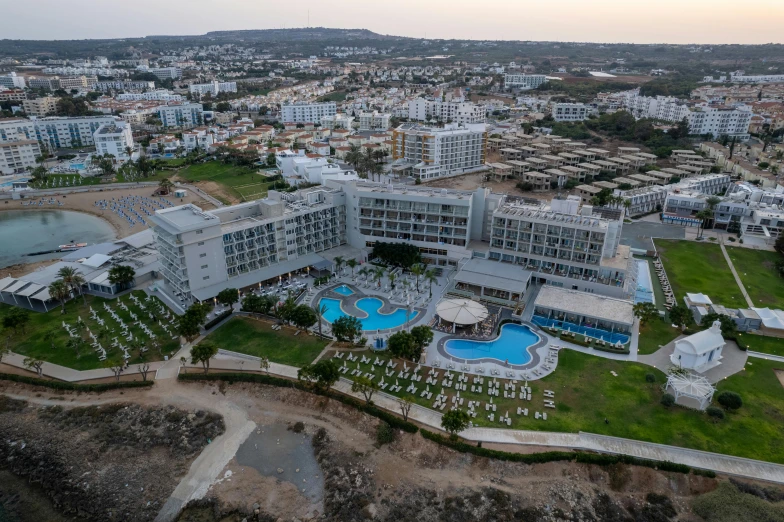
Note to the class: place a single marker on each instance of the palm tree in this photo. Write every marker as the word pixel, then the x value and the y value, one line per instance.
pixel 122 275
pixel 364 271
pixel 703 215
pixel 320 310
pixel 59 290
pixel 378 274
pixel 379 155
pixel 129 151
pixel 418 270
pixel 165 186
pixel 338 264
pixel 352 264
pixel 354 156
pixel 392 278
pixel 430 277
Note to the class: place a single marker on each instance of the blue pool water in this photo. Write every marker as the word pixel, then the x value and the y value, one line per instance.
pixel 343 290
pixel 369 305
pixel 644 292
pixel 9 183
pixel 596 333
pixel 77 166
pixel 511 345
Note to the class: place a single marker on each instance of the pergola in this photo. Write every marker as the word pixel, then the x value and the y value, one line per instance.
pixel 461 312
pixel 691 386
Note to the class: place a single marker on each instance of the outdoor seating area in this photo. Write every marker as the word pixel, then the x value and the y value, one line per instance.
pixel 131 208
pixel 669 296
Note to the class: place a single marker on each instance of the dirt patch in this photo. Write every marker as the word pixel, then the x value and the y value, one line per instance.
pixel 218 191
pixel 779 376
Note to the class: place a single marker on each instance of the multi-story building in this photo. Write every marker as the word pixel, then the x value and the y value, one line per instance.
pixel 56 132
pixel 214 88
pixel 53 83
pixel 200 138
pixel 16 129
pixel 12 95
pixel 43 106
pixel 307 112
pixel 373 121
pixel 644 200
pixel 761 78
pixel 435 152
pixel 524 82
pixel 203 253
pixel 124 85
pixel 421 109
pixel 167 73
pixel 115 139
pixel 181 115
pixel 337 121
pixel 18 156
pixel 570 111
pixel 157 95
pixel 12 81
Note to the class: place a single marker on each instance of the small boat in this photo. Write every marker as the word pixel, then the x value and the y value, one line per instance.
pixel 72 246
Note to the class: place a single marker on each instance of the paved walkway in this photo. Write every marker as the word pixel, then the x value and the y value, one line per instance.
pixel 736 276
pixel 732 362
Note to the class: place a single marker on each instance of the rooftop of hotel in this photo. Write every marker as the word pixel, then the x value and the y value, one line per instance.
pixel 528 208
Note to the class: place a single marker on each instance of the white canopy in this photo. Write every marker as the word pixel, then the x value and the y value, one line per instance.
pixel 461 311
pixel 692 386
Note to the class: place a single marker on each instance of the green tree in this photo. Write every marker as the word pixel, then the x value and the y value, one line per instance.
pixel 418 271
pixel 16 318
pixel 404 345
pixel 76 344
pixel 364 385
pixel 704 216
pixel 729 330
pixel 33 363
pixel 303 317
pixel 430 277
pixel 347 328
pixel 122 276
pixel 202 353
pixel 352 264
pixel 189 323
pixel 60 292
pixel 322 375
pixel 71 277
pixel 165 186
pixel 405 403
pixel 338 264
pixel 667 400
pixel 423 335
pixel 319 310
pixel 779 244
pixel 729 400
pixel 454 421
pixel 228 297
pixel 645 312
pixel 680 315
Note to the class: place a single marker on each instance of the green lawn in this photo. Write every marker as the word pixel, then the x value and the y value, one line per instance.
pixel 238 182
pixel 757 270
pixel 586 393
pixel 655 333
pixel 694 267
pixel 253 337
pixel 31 342
pixel 759 343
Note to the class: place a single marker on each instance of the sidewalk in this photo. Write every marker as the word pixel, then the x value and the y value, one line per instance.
pixel 736 276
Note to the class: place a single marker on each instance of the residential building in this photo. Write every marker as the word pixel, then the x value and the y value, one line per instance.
pixel 12 95
pixel 65 131
pixel 18 156
pixel 124 85
pixel 421 109
pixel 524 82
pixel 373 121
pixel 644 200
pixel 156 95
pixel 213 88
pixel 167 73
pixel 307 112
pixel 181 115
pixel 16 129
pixel 53 83
pixel 43 106
pixel 12 81
pixel 337 121
pixel 200 138
pixel 436 152
pixel 761 78
pixel 300 167
pixel 114 139
pixel 570 111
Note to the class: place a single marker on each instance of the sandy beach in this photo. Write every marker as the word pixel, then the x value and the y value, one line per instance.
pixel 85 202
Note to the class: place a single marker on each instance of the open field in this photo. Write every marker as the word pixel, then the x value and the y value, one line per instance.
pixel 757 271
pixel 254 337
pixel 759 343
pixel 33 342
pixel 655 333
pixel 586 394
pixel 694 267
pixel 226 182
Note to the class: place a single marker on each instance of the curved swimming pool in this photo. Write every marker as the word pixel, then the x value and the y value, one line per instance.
pixel 375 320
pixel 510 346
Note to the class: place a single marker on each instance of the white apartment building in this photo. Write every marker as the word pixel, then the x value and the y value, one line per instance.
pixel 124 85
pixel 18 156
pixel 43 106
pixel 762 78
pixel 77 131
pixel 167 73
pixel 12 81
pixel 421 109
pixel 16 129
pixel 435 152
pixel 297 167
pixel 181 115
pixel 114 139
pixel 644 200
pixel 214 88
pixel 337 121
pixel 373 121
pixel 524 82
pixel 570 111
pixel 307 112
pixel 156 95
pixel 200 139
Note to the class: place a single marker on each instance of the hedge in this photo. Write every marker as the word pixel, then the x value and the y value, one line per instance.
pixel 70 386
pixel 553 456
pixel 370 409
pixel 218 319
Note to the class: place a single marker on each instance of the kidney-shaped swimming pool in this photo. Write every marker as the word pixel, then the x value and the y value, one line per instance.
pixel 511 345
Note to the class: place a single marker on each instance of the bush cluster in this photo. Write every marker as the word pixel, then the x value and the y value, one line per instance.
pixel 70 386
pixel 217 320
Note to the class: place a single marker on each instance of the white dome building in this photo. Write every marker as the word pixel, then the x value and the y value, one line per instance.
pixel 701 351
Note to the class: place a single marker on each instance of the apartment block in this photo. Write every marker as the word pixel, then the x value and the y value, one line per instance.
pixel 181 115
pixel 43 106
pixel 115 139
pixel 436 152
pixel 53 83
pixel 16 129
pixel 12 95
pixel 421 109
pixel 18 156
pixel 644 200
pixel 373 121
pixel 156 95
pixel 307 112
pixel 167 73
pixel 570 111
pixel 124 85
pixel 12 81
pixel 524 82
pixel 200 138
pixel 56 132
pixel 213 88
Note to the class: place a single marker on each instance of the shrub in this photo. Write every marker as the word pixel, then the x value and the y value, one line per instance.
pixel 214 322
pixel 704 473
pixel 649 377
pixel 384 433
pixel 729 400
pixel 716 413
pixel 70 386
pixel 667 400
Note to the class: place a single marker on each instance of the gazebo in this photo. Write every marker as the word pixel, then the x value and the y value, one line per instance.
pixel 691 386
pixel 461 312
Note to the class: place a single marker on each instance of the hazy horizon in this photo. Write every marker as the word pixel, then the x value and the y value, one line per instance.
pixel 602 21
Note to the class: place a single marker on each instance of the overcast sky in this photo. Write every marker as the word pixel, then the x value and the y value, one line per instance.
pixel 652 21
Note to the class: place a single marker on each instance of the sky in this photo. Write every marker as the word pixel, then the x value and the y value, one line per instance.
pixel 610 21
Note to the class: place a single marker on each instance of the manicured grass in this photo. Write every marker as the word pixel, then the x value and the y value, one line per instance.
pixel 655 333
pixel 586 393
pixel 759 343
pixel 32 342
pixel 236 181
pixel 757 270
pixel 694 267
pixel 254 337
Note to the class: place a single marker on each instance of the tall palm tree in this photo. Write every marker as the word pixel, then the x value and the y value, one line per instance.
pixel 364 271
pixel 352 264
pixel 320 310
pixel 378 274
pixel 430 277
pixel 392 278
pixel 59 290
pixel 379 155
pixel 418 270
pixel 338 264
pixel 67 275
pixel 354 156
pixel 703 215
pixel 122 276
